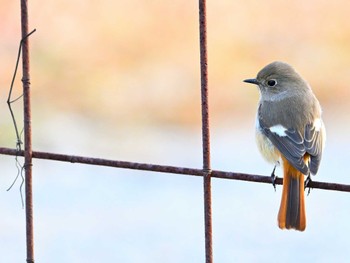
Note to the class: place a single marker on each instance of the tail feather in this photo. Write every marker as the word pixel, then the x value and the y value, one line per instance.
pixel 292 210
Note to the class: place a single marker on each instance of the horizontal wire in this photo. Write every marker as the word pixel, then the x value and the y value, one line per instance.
pixel 168 169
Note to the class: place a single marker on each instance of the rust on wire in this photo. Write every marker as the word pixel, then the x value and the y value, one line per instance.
pixel 204 84
pixel 27 133
pixel 167 169
pixel 205 132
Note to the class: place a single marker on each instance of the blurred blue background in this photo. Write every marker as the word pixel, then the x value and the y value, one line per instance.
pixel 120 80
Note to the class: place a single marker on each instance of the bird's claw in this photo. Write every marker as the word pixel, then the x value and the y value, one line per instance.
pixel 307 184
pixel 273 178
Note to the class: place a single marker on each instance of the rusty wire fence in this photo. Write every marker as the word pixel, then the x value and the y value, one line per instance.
pixel 205 172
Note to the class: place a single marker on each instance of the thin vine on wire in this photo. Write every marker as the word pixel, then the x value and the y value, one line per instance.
pixel 10 101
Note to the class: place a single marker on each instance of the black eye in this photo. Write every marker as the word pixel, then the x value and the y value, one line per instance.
pixel 271 82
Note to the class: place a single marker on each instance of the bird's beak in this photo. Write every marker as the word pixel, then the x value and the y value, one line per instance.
pixel 252 81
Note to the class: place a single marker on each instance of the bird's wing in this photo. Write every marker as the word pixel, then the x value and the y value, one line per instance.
pixel 313 141
pixel 290 144
pixel 293 145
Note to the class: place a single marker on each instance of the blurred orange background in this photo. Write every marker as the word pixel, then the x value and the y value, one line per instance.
pixel 138 61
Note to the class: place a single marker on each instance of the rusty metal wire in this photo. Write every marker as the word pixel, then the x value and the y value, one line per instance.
pixel 205 132
pixel 27 133
pixel 167 169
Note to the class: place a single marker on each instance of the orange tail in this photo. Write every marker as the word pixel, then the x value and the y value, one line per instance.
pixel 292 209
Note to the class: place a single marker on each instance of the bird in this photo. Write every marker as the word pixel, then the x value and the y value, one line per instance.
pixel 289 132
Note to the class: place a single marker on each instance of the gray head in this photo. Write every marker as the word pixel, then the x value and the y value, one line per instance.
pixel 279 80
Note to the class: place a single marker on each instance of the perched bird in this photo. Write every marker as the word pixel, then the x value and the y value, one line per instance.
pixel 290 132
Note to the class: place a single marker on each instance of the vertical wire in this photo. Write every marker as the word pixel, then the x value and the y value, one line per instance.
pixel 205 132
pixel 27 133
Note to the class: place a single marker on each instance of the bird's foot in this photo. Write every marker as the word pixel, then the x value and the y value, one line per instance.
pixel 273 178
pixel 307 183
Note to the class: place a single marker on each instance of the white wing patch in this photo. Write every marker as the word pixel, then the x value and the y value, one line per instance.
pixel 317 124
pixel 278 129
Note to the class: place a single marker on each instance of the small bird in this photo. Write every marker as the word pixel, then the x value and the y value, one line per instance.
pixel 290 132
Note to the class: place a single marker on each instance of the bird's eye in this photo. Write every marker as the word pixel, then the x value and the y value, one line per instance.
pixel 271 82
